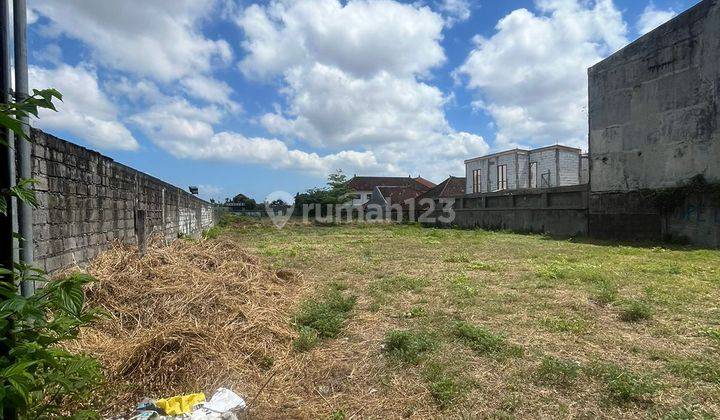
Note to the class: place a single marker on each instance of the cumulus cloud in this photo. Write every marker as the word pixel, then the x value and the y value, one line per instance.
pixel 354 79
pixel 455 10
pixel 328 107
pixel 187 131
pixel 653 17
pixel 531 75
pixel 210 90
pixel 160 39
pixel 362 38
pixel 85 111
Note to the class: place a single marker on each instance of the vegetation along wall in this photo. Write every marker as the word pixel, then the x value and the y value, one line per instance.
pixel 87 201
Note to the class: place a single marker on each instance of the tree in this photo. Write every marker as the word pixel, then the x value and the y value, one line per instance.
pixel 38 377
pixel 336 193
pixel 247 202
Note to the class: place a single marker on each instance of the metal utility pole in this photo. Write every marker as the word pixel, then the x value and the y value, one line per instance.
pixel 8 244
pixel 24 147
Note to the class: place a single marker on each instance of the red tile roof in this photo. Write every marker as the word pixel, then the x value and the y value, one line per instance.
pixel 451 187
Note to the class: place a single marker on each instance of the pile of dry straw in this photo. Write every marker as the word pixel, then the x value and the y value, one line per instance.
pixel 188 317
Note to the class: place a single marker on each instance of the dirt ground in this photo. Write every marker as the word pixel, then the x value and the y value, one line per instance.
pixel 390 321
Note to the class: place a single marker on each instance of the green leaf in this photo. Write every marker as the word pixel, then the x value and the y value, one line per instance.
pixel 3 205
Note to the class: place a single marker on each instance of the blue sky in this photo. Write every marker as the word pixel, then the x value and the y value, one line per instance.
pixel 237 96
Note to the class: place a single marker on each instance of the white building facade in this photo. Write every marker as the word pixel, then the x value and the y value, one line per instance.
pixel 546 167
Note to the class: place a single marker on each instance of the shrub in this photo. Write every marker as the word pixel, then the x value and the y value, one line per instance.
pixel 408 346
pixel 558 371
pixel 212 233
pixel 635 311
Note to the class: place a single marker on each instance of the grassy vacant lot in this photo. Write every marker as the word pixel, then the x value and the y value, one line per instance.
pixel 414 322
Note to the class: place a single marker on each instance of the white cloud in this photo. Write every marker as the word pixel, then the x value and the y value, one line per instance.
pixel 455 10
pixel 532 73
pixel 328 107
pixel 652 17
pixel 210 90
pixel 355 79
pixel 85 111
pixel 362 38
pixel 187 132
pixel 160 39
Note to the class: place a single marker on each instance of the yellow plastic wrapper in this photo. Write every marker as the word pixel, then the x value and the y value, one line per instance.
pixel 180 404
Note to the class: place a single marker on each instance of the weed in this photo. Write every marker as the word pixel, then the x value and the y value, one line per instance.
pixel 307 339
pixel 572 325
pixel 622 385
pixel 604 293
pixel 688 412
pixel 445 386
pixel 212 233
pixel 338 415
pixel 326 314
pixel 462 287
pixel 696 369
pixel 484 341
pixel 408 346
pixel 554 270
pixel 401 283
pixel 713 334
pixel 483 266
pixel 558 371
pixel 458 258
pixel 635 311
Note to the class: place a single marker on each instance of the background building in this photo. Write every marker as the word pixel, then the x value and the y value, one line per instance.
pixel 546 167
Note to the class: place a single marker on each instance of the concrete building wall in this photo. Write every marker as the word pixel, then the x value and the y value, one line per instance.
pixel 546 161
pixel 569 168
pixel 654 118
pixel 655 123
pixel 87 201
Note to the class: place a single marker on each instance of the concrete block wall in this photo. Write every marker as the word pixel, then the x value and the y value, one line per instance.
pixel 655 123
pixel 654 106
pixel 558 211
pixel 87 201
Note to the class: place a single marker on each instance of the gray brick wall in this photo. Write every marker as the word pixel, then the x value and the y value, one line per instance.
pixel 87 201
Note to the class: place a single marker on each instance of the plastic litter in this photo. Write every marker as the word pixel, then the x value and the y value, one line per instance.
pixel 223 405
pixel 225 400
pixel 180 404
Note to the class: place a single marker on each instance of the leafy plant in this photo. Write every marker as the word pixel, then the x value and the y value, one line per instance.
pixel 484 341
pixel 38 377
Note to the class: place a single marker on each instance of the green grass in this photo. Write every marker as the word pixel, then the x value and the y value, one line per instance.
pixel 635 311
pixel 706 370
pixel 484 341
pixel 325 314
pixel 622 385
pixel 408 346
pixel 565 324
pixel 446 386
pixel 604 293
pixel 558 372
pixel 308 339
pixel 448 306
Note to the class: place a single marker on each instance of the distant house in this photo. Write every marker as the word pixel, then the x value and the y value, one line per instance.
pixel 450 188
pixel 552 166
pixel 363 187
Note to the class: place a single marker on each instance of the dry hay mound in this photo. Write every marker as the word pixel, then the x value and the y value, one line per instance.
pixel 188 317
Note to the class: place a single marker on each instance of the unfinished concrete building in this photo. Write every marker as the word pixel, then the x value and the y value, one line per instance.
pixel 546 167
pixel 655 124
